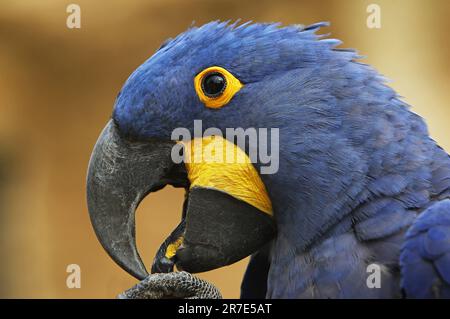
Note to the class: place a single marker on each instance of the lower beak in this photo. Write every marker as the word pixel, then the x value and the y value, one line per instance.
pixel 217 229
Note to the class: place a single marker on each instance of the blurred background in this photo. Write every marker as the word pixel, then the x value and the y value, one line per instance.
pixel 58 85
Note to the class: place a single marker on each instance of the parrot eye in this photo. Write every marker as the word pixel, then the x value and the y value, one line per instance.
pixel 215 86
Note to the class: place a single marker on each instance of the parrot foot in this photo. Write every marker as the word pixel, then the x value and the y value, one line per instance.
pixel 181 285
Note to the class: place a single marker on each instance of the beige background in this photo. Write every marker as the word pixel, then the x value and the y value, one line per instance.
pixel 57 88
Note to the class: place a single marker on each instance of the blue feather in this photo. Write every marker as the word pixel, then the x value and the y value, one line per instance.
pixel 425 257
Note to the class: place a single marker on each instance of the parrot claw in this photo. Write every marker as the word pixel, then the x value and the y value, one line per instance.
pixel 174 285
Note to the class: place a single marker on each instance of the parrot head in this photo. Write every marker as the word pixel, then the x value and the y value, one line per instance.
pixel 228 76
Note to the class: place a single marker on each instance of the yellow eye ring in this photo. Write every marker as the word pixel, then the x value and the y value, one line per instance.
pixel 215 86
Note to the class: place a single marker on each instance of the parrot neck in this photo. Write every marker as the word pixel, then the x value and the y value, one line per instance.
pixel 325 180
pixel 332 256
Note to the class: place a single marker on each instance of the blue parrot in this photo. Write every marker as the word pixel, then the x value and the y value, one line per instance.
pixel 360 182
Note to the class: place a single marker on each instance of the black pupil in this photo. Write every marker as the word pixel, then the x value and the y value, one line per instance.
pixel 214 84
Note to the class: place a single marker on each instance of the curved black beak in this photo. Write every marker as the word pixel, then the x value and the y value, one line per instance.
pixel 217 229
pixel 120 174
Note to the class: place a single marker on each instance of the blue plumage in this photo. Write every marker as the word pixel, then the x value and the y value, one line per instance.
pixel 425 256
pixel 357 167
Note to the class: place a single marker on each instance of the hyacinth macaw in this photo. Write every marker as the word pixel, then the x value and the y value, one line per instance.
pixel 360 182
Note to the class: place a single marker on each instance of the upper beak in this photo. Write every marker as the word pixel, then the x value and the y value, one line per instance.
pixel 217 228
pixel 120 174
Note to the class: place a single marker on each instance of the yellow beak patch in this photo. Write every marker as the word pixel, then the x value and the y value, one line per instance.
pixel 214 162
